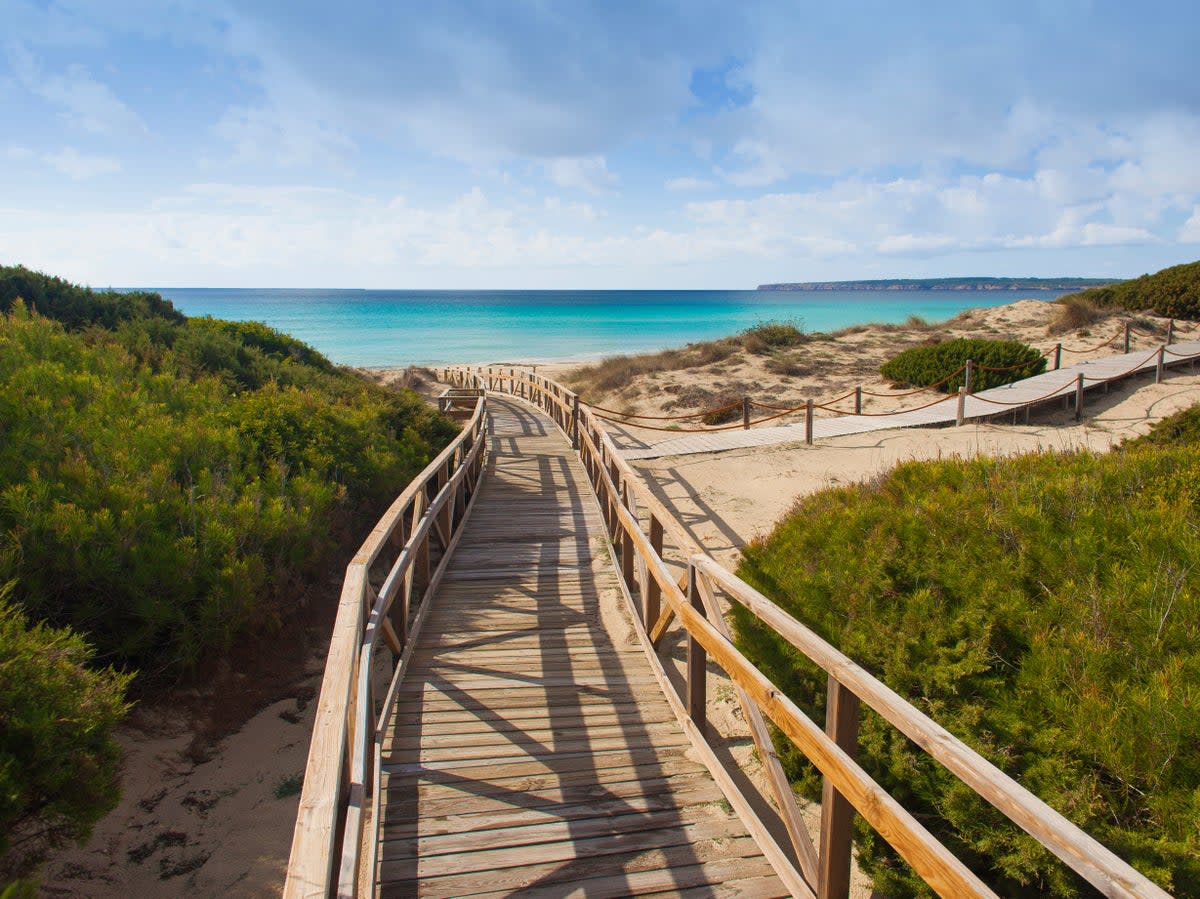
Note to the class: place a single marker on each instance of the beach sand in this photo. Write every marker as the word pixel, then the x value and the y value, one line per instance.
pixel 216 828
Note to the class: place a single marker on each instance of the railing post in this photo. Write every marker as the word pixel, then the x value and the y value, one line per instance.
pixel 697 684
pixel 627 549
pixel 808 422
pixel 1170 332
pixel 962 406
pixel 1158 368
pixel 837 815
pixel 614 524
pixel 1127 330
pixel 969 377
pixel 652 595
pixel 1057 356
pixel 1079 396
pixel 746 413
pixel 858 400
pixel 575 421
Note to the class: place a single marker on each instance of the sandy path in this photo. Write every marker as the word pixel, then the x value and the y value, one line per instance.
pixel 727 499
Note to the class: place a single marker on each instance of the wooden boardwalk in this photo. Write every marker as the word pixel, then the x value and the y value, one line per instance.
pixel 984 404
pixel 532 749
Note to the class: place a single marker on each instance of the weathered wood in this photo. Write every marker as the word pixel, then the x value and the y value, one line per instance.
pixel 837 815
pixel 697 674
pixel 1098 865
pixel 321 820
pixel 516 664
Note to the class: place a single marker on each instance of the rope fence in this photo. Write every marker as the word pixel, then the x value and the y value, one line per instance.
pixel 808 407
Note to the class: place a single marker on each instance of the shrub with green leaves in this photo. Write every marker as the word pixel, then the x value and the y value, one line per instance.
pixel 1044 609
pixel 1174 292
pixel 58 762
pixel 935 363
pixel 165 486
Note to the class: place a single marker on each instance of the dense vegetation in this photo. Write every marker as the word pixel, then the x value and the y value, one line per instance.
pixel 1173 292
pixel 168 484
pixel 58 762
pixel 996 362
pixel 1046 610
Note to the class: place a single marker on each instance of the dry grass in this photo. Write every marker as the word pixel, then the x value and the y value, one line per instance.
pixel 1075 312
pixel 619 372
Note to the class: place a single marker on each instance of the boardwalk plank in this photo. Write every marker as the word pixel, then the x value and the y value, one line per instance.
pixel 530 747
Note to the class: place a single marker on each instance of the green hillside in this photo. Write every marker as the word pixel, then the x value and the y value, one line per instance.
pixel 1174 292
pixel 1045 609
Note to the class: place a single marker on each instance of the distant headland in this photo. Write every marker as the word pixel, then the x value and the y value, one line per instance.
pixel 948 284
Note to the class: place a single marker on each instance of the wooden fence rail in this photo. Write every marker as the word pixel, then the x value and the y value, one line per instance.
pixel 661 563
pixel 343 769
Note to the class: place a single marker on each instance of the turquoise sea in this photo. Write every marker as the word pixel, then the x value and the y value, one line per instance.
pixel 379 328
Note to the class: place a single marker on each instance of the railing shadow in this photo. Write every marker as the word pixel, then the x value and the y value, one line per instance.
pixel 592 727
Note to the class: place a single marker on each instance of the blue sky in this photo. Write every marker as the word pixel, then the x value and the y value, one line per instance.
pixel 606 145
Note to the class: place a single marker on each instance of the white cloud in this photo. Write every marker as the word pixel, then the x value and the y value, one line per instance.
pixel 588 173
pixel 689 184
pixel 1190 232
pixel 272 134
pixel 81 166
pixel 584 211
pixel 84 103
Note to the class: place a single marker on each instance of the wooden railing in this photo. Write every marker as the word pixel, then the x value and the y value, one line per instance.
pixel 670 580
pixel 377 604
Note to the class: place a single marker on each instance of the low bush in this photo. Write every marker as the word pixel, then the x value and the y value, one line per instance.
pixel 936 363
pixel 78 307
pixel 1073 312
pixel 1044 609
pixel 1173 292
pixel 58 762
pixel 771 336
pixel 167 483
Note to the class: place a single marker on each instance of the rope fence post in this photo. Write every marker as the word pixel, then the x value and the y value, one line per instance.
pixel 808 422
pixel 969 377
pixel 1158 368
pixel 1170 332
pixel 962 406
pixel 1079 396
pixel 1057 356
pixel 858 400
pixel 1127 332
pixel 745 413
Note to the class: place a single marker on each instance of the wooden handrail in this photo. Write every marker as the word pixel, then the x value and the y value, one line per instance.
pixel 621 494
pixel 1091 859
pixel 326 843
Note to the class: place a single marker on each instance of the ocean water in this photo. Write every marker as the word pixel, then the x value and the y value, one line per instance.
pixel 380 328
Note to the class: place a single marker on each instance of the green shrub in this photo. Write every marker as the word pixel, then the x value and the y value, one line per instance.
pixel 1174 292
pixel 923 366
pixel 1044 609
pixel 58 762
pixel 164 488
pixel 1180 429
pixel 78 307
pixel 772 336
